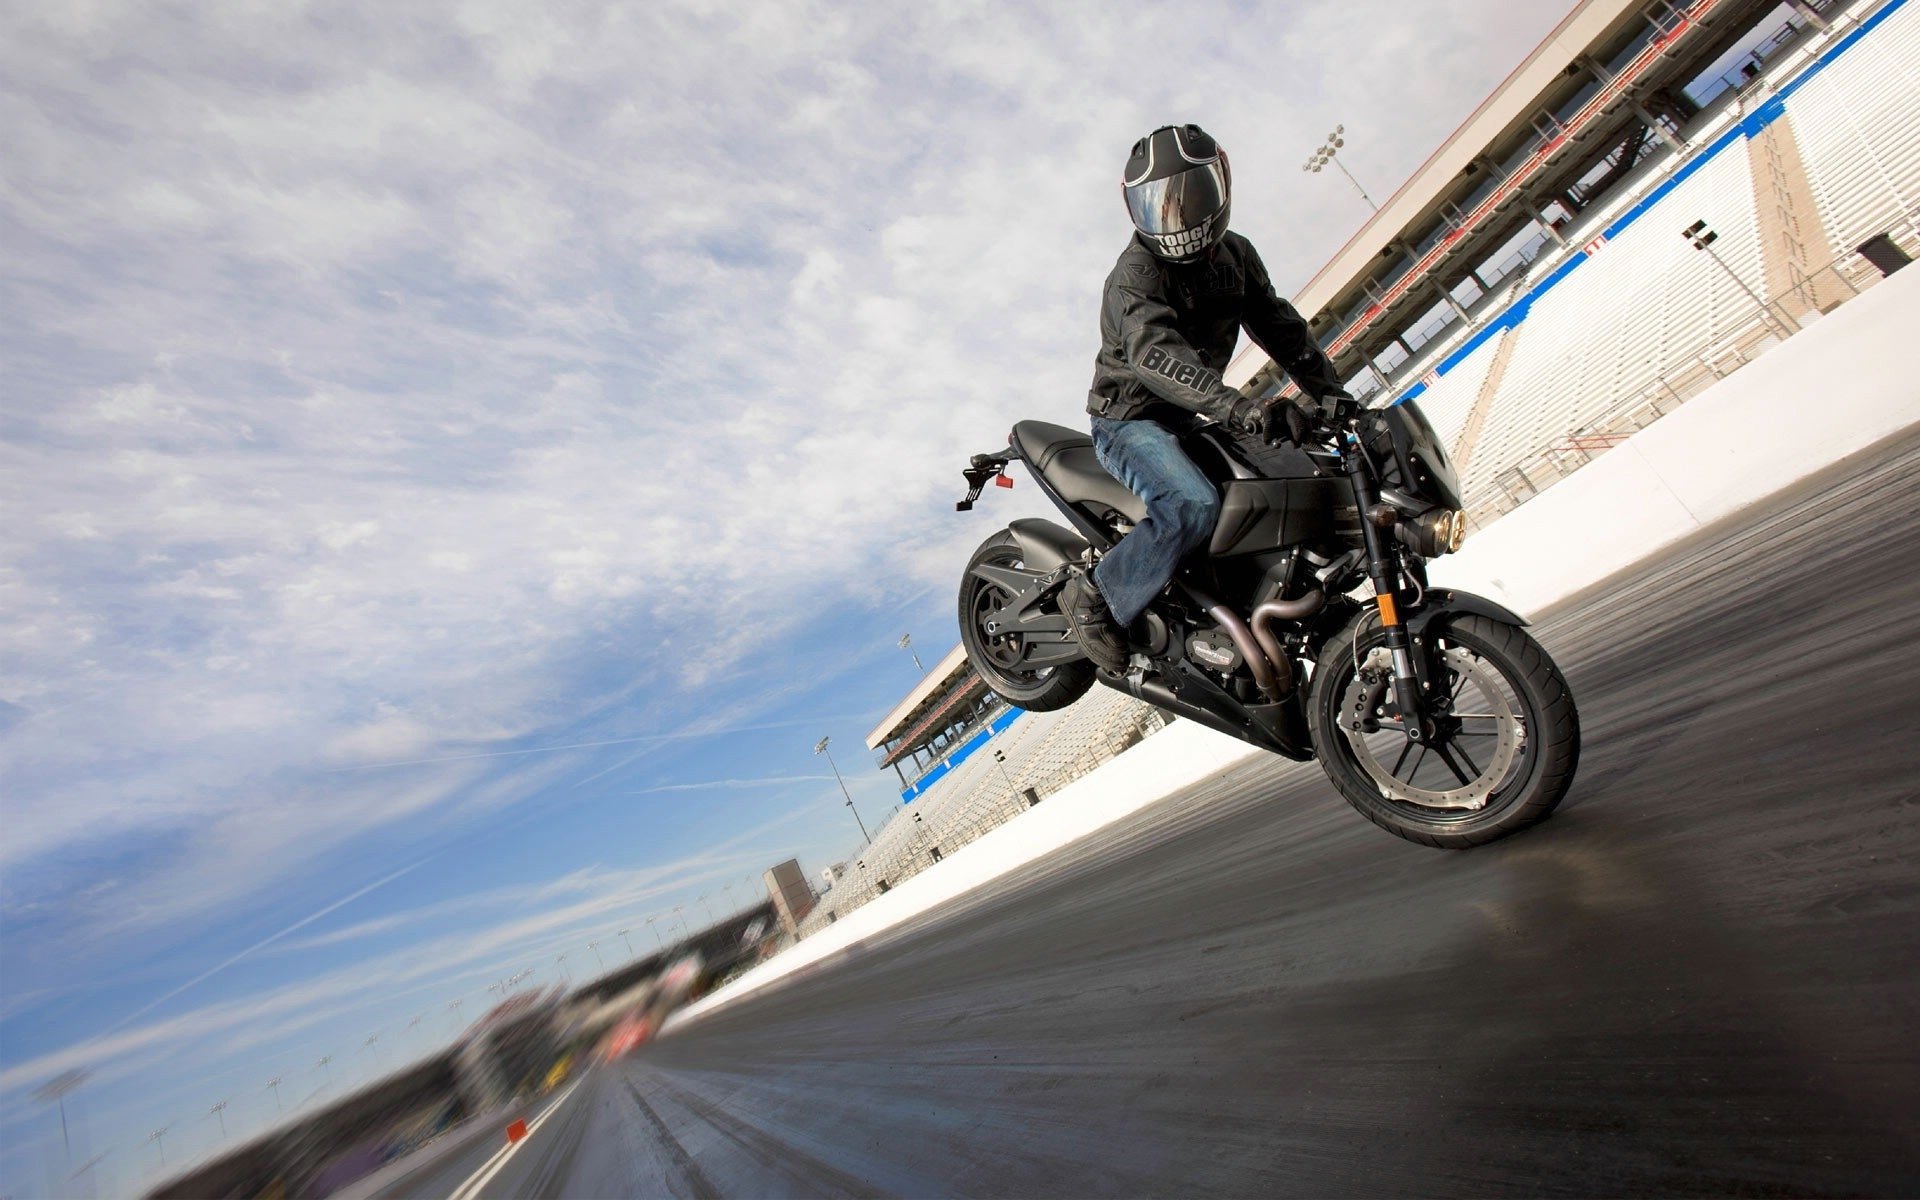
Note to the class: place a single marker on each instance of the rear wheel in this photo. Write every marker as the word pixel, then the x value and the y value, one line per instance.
pixel 1507 743
pixel 1000 657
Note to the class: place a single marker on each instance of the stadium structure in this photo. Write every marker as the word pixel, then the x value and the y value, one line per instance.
pixel 1656 195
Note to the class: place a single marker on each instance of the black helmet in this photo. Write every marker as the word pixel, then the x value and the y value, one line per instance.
pixel 1177 187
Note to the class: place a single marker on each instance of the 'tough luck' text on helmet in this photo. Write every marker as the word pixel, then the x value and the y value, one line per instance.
pixel 1177 187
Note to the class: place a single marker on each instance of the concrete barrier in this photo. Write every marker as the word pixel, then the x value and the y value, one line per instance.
pixel 1836 388
pixel 1832 390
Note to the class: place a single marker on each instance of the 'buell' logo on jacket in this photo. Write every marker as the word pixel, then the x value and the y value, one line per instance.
pixel 1184 373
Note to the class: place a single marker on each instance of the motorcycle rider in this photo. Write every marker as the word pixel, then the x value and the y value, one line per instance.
pixel 1174 305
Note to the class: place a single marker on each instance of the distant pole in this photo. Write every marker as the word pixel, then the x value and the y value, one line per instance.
pixel 274 1085
pixel 656 932
pixel 55 1091
pixel 710 917
pixel 821 748
pixel 1000 760
pixel 220 1110
pixel 1329 153
pixel 159 1138
pixel 326 1064
pixel 624 938
pixel 595 947
pixel 683 920
pixel 728 889
pixel 906 643
pixel 1703 238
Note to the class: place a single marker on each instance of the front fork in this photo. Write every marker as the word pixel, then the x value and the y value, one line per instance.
pixel 1383 568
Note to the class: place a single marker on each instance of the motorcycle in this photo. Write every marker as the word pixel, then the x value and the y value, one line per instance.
pixel 1306 626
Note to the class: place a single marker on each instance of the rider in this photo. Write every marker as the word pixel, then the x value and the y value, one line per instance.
pixel 1174 305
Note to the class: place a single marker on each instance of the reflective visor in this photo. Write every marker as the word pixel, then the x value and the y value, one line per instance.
pixel 1180 202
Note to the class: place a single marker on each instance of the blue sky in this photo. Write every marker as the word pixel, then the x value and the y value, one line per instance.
pixel 459 458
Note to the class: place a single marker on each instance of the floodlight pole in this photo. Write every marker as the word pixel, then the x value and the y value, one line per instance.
pixel 1703 238
pixel 1329 152
pixel 906 643
pixel 821 748
pixel 56 1090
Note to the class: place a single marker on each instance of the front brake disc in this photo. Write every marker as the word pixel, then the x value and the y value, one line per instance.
pixel 1472 795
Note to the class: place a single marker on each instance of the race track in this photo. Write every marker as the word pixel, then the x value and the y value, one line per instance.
pixel 1699 977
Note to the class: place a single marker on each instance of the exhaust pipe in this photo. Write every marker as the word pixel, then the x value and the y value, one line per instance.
pixel 1283 610
pixel 1276 683
pixel 1260 646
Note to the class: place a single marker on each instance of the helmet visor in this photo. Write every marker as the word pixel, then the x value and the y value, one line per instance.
pixel 1180 202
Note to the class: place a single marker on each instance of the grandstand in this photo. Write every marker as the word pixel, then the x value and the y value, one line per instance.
pixel 1018 764
pixel 1545 285
pixel 1532 284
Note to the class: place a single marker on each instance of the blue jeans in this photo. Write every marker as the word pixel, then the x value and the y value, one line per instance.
pixel 1182 506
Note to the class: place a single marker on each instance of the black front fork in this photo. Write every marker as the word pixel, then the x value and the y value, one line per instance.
pixel 1383 568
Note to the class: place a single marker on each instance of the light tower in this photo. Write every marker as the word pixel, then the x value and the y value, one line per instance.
pixel 821 748
pixel 1329 152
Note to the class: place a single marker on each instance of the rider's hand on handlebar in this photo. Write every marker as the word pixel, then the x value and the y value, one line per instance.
pixel 1248 416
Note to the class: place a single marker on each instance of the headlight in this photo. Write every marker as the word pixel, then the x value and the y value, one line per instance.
pixel 1434 532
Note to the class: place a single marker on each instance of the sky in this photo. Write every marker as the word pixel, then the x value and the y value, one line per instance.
pixel 457 459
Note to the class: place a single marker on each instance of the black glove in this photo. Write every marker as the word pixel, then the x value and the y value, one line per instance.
pixel 1248 416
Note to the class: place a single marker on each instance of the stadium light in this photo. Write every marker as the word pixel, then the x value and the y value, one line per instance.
pixel 906 643
pixel 1329 152
pixel 1702 236
pixel 55 1091
pixel 821 748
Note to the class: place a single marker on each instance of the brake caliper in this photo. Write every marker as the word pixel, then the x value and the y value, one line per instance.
pixel 1372 707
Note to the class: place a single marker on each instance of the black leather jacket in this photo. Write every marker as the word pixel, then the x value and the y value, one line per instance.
pixel 1167 330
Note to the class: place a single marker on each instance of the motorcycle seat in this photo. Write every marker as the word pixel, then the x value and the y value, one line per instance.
pixel 1065 457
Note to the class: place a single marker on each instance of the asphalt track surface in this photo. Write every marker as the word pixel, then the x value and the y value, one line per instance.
pixel 1702 976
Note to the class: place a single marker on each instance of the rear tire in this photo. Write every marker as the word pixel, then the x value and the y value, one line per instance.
pixel 996 657
pixel 1531 744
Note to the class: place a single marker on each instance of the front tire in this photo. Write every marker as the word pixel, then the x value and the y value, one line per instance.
pixel 997 657
pixel 1509 746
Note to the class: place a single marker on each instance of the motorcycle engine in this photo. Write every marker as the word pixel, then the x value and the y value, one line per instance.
pixel 1213 649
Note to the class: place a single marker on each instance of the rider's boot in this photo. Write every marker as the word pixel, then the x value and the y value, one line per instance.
pixel 1093 624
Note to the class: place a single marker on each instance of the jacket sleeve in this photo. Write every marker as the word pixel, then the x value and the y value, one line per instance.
pixel 1156 353
pixel 1279 329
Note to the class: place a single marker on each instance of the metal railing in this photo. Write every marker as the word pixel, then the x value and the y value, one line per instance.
pixel 1811 296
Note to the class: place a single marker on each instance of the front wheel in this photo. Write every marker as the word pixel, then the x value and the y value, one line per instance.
pixel 1507 741
pixel 1003 658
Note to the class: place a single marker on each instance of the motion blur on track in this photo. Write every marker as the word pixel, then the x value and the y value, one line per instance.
pixel 656 1002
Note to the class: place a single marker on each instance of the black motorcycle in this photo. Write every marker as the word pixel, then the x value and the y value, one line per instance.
pixel 1433 711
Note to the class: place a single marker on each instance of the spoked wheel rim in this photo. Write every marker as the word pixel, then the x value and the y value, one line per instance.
pixel 1481 752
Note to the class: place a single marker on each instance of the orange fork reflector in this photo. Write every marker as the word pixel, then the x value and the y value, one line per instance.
pixel 1388 614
